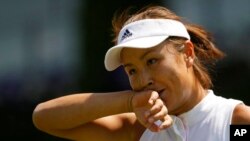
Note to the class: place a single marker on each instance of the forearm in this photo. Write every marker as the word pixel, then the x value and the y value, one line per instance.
pixel 74 110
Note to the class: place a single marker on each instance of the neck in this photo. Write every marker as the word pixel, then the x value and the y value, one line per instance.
pixel 196 94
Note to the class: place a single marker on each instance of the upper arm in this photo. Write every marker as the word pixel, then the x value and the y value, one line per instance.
pixel 110 128
pixel 241 114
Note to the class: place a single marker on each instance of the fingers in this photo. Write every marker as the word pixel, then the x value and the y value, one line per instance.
pixel 158 112
pixel 164 124
pixel 158 107
pixel 167 122
pixel 150 110
pixel 153 127
pixel 154 96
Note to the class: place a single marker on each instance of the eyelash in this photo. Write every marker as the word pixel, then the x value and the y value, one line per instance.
pixel 151 61
pixel 131 72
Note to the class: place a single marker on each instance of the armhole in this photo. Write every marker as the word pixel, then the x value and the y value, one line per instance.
pixel 234 104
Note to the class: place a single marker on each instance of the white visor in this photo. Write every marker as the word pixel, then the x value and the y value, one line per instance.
pixel 143 34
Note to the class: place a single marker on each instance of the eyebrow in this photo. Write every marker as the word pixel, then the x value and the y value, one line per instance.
pixel 127 65
pixel 142 56
pixel 147 52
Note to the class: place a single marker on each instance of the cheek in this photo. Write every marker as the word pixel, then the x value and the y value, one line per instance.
pixel 170 76
pixel 173 69
pixel 165 71
pixel 132 83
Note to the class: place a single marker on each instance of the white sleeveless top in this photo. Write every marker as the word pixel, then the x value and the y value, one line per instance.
pixel 207 121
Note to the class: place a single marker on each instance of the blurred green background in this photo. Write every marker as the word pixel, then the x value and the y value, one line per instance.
pixel 51 48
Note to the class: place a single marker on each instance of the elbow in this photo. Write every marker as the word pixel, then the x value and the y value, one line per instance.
pixel 39 117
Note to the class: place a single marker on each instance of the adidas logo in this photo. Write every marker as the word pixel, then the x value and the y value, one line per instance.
pixel 126 34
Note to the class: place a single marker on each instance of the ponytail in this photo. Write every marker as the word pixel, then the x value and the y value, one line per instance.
pixel 206 54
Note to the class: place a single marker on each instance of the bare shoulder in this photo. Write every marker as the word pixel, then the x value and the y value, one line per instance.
pixel 241 114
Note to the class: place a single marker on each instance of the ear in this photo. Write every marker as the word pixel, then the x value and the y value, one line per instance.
pixel 189 54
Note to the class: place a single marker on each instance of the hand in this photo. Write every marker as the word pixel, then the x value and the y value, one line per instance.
pixel 149 108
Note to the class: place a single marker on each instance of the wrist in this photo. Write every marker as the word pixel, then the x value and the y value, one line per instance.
pixel 130 102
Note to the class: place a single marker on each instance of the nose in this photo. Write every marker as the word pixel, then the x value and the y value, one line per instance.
pixel 150 83
pixel 144 81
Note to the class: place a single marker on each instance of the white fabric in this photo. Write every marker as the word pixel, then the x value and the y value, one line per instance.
pixel 207 121
pixel 143 34
pixel 173 133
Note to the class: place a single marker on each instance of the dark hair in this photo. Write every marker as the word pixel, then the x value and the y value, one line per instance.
pixel 205 50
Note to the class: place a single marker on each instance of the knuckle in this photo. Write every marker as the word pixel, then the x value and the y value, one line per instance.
pixel 159 101
pixel 165 126
pixel 165 109
pixel 166 123
pixel 165 112
pixel 160 115
pixel 155 94
pixel 158 107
